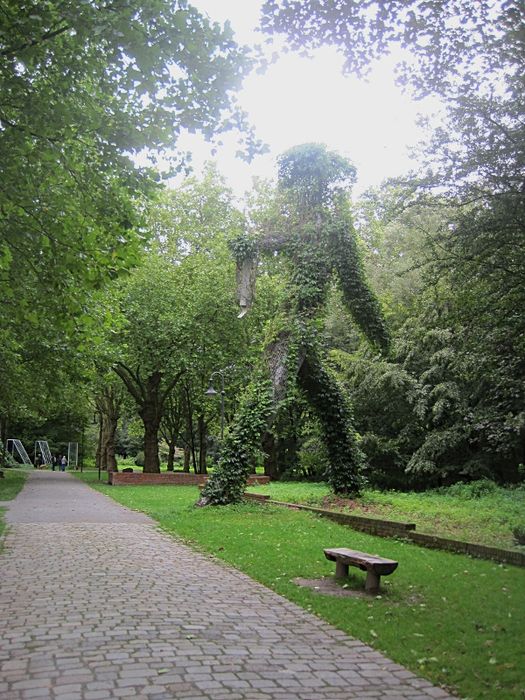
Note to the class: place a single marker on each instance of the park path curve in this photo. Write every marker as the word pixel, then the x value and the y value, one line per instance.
pixel 96 603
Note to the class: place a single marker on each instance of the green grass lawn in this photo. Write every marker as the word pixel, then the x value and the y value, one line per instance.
pixel 487 519
pixel 455 620
pixel 10 485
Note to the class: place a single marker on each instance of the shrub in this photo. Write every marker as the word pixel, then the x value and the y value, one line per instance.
pixel 474 489
pixel 519 533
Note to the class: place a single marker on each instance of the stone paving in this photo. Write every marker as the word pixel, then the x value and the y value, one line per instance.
pixel 118 609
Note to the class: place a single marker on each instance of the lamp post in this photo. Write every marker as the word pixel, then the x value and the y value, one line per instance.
pixel 212 392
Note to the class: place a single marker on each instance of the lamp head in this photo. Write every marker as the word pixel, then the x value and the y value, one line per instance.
pixel 210 391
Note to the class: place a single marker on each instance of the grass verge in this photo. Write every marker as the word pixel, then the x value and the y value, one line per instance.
pixel 457 621
pixel 10 485
pixel 486 517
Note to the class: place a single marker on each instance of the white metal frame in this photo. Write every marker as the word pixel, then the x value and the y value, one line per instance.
pixel 12 445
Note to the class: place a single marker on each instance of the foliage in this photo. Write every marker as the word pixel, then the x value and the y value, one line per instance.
pixel 460 332
pixel 314 174
pixel 312 457
pixel 467 642
pixel 482 512
pixel 451 283
pixel 11 483
pixel 518 531
pixel 388 403
pixel 318 241
pixel 240 446
pixel 243 248
pixel 455 45
pixel 345 458
pixel 195 218
pixel 86 86
pixel 473 490
pixel 180 317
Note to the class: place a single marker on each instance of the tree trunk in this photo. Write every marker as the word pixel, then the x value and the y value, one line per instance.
pixel 201 427
pixel 111 432
pixel 151 414
pixel 186 467
pixel 171 455
pixel 151 445
pixel 271 464
pixel 98 455
pixel 104 443
pixel 3 439
pixel 108 407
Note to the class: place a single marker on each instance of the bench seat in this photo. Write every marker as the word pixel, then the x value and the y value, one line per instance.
pixel 374 566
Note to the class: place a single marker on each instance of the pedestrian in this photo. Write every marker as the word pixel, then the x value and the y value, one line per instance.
pixel 63 463
pixel 54 462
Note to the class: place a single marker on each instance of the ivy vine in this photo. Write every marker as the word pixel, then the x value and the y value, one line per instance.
pixel 240 446
pixel 320 241
pixel 243 247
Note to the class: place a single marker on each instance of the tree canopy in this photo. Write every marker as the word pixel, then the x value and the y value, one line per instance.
pixel 85 86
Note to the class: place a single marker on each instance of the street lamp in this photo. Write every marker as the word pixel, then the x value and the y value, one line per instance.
pixel 212 392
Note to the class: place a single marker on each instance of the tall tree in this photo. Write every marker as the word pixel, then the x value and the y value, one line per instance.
pixel 85 87
pixel 469 327
pixel 180 322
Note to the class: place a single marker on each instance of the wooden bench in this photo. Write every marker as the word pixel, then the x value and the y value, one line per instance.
pixel 374 566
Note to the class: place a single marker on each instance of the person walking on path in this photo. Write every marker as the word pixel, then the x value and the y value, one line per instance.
pixel 63 463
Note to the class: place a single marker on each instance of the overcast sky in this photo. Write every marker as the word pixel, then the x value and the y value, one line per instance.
pixel 300 100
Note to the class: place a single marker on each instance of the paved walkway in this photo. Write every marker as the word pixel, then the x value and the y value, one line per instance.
pixel 96 603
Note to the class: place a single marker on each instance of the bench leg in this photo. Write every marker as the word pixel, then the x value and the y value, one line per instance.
pixel 372 582
pixel 341 570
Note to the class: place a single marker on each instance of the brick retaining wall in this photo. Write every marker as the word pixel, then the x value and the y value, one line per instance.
pixel 504 556
pixel 390 528
pixel 170 478
pixel 374 526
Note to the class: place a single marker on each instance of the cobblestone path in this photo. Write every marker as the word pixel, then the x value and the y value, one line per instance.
pixel 118 609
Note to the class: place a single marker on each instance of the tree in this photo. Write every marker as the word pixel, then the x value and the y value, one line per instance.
pixel 471 55
pixel 108 404
pixel 150 361
pixel 86 86
pixel 180 312
pixel 192 227
pixel 450 47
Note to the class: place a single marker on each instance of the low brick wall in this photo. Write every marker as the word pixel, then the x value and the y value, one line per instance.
pixel 374 526
pixel 170 479
pixel 504 556
pixel 391 528
pixel 256 497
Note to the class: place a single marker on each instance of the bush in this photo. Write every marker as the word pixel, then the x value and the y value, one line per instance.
pixel 474 489
pixel 10 461
pixel 518 532
pixel 139 459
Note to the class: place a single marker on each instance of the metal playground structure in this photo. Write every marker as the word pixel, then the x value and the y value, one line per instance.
pixel 42 450
pixel 16 449
pixel 72 455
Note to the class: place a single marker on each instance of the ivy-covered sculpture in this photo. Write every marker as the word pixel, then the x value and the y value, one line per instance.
pixel 319 243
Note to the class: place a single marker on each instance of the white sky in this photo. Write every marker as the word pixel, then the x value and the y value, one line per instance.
pixel 300 100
